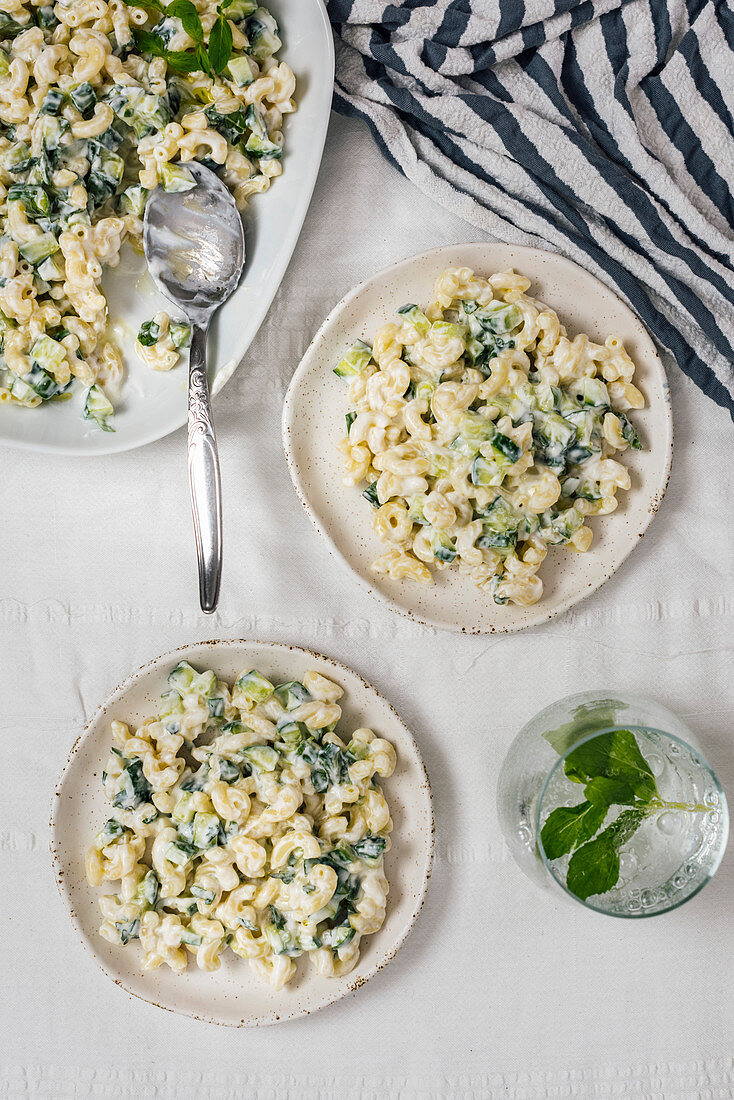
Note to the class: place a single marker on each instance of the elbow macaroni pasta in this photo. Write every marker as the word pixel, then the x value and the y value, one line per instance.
pixel 270 843
pixel 90 123
pixel 485 435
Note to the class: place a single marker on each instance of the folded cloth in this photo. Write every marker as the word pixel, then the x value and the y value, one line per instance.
pixel 599 129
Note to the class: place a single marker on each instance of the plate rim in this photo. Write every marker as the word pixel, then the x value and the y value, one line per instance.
pixel 56 847
pixel 111 445
pixel 289 416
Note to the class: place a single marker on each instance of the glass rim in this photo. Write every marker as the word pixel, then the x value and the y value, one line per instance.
pixel 724 808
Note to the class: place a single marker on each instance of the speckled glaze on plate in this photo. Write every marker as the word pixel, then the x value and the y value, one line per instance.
pixel 233 995
pixel 313 423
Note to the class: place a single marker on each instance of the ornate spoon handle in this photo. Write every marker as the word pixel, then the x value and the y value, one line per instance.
pixel 204 478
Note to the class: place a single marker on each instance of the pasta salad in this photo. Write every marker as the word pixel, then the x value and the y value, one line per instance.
pixel 484 434
pixel 242 819
pixel 100 102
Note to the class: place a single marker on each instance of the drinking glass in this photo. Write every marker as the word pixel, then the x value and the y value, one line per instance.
pixel 676 840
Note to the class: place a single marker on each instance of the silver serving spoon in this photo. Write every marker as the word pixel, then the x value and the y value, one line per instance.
pixel 195 248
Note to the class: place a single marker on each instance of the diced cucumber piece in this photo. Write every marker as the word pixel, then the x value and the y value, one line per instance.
pixel 84 99
pixel 22 392
pixel 355 361
pixel 293 735
pixel 370 848
pixel 446 329
pixel 232 125
pixel 187 681
pixel 180 333
pixel 17 158
pixel 262 33
pixel 180 852
pixel 416 505
pixel 206 829
pixel 216 707
pixel 184 810
pixel 193 939
pixel 105 176
pixel 629 432
pixel 228 772
pixel 182 677
pixel 500 526
pixel 200 892
pixel 595 392
pixel 170 706
pixel 166 29
pixel 444 548
pixel 240 9
pixel 476 428
pixel 149 333
pixel 47 17
pixel 255 686
pixel 48 270
pixel 566 523
pixel 261 757
pixel 49 354
pixel 330 768
pixel 112 829
pixel 416 317
pixel 97 407
pixel 177 178
pixel 263 147
pixel 141 110
pixel 148 890
pixel 292 694
pixel 370 494
pixel 337 937
pixel 39 249
pixel 197 781
pixel 43 383
pixel 133 788
pixel 241 69
pixel 278 935
pixel 128 930
pixel 133 200
pixel 583 488
pixel 496 317
pixel 53 101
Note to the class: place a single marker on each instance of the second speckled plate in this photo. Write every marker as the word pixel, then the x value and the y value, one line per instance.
pixel 313 423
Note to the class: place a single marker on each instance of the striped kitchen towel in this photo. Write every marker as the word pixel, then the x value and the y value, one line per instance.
pixel 601 129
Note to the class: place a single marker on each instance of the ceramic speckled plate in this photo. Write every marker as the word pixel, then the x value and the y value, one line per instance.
pixel 233 995
pixel 313 423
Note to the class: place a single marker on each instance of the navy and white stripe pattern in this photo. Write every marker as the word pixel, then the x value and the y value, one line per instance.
pixel 601 129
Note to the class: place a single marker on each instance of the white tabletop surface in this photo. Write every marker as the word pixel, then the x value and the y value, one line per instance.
pixel 502 990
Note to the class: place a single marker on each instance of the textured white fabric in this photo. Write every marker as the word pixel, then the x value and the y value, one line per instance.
pixel 501 990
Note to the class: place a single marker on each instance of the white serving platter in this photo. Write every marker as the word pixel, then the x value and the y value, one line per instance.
pixel 233 995
pixel 313 424
pixel 153 404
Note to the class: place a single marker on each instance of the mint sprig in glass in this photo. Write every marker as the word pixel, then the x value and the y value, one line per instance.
pixel 604 796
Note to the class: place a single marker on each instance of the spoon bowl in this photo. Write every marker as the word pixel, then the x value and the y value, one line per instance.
pixel 195 247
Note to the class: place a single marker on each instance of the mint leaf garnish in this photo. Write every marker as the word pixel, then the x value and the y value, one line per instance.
pixel 594 867
pixel 608 792
pixel 189 16
pixel 614 755
pixel 614 773
pixel 220 44
pixel 569 826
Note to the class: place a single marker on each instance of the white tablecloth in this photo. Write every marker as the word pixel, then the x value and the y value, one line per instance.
pixel 501 990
